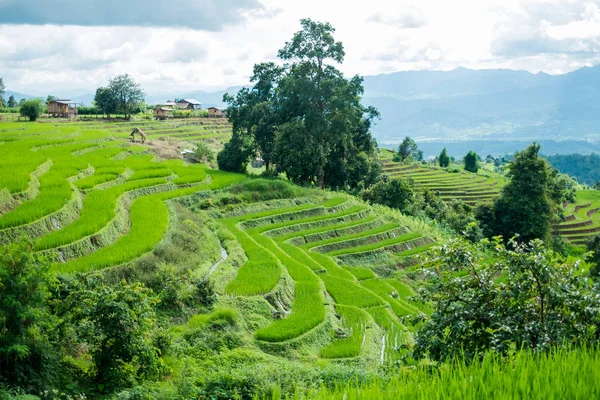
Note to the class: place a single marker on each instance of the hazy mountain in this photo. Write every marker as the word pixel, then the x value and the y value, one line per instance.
pixel 18 96
pixel 208 99
pixel 493 105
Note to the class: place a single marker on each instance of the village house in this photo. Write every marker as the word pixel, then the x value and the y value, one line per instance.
pixel 62 108
pixel 215 112
pixel 188 104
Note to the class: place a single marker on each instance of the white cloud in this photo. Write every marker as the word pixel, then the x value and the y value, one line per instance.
pixel 382 36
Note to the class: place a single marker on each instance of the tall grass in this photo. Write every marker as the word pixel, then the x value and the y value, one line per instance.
pixel 562 374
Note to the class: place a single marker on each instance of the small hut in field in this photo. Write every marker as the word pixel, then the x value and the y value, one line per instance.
pixel 62 108
pixel 215 112
pixel 162 113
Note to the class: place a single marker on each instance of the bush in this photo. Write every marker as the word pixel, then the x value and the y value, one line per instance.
pixel 233 158
pixel 83 110
pixel 525 298
pixel 32 109
pixel 395 193
pixel 203 154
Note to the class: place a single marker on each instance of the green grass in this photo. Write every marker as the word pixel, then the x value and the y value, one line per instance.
pixel 562 374
pixel 307 312
pixel 348 293
pixel 385 291
pixel 99 208
pixel 377 245
pixel 149 218
pixel 356 321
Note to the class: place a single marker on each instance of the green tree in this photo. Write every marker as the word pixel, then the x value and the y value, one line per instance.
pixel 51 98
pixel 235 155
pixel 128 94
pixel 203 153
pixel 314 96
pixel 106 101
pixel 305 117
pixel 443 158
pixel 471 162
pixel 2 92
pixel 12 103
pixel 32 109
pixel 116 323
pixel 526 206
pixel 27 356
pixel 593 258
pixel 408 148
pixel 395 193
pixel 541 302
pixel 253 114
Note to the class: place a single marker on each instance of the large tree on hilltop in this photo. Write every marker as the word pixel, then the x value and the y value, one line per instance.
pixel 305 116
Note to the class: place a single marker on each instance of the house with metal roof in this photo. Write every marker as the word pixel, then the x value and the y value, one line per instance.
pixel 188 104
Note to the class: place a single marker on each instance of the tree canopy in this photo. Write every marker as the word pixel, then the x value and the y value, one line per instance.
pixel 408 148
pixel 527 204
pixel 2 92
pixel 32 109
pixel 12 103
pixel 122 95
pixel 540 304
pixel 471 161
pixel 305 117
pixel 443 158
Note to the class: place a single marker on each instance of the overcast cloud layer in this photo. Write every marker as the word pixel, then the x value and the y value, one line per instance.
pixel 204 44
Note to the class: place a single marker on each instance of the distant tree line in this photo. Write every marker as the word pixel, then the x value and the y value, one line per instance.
pixel 585 168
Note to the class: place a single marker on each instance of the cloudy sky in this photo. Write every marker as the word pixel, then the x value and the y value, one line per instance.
pixel 62 45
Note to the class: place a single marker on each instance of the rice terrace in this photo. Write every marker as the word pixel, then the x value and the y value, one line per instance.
pixel 273 240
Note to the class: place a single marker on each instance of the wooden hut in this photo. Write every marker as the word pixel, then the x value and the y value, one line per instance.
pixel 188 104
pixel 162 113
pixel 215 112
pixel 62 108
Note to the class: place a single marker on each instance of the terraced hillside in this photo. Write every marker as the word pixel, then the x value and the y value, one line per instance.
pixel 212 131
pixel 471 188
pixel 88 197
pixel 324 266
pixel 582 220
pixel 321 257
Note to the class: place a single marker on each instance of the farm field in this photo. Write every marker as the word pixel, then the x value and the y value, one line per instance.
pixel 582 219
pixel 328 266
pixel 471 188
pixel 88 197
pixel 315 247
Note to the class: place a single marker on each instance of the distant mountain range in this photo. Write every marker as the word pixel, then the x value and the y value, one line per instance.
pixel 492 110
pixel 463 105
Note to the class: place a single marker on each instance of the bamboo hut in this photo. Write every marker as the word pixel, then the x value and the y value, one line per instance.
pixel 62 108
pixel 162 113
pixel 215 112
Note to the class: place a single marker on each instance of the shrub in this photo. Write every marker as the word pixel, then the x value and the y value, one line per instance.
pixel 32 109
pixel 538 302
